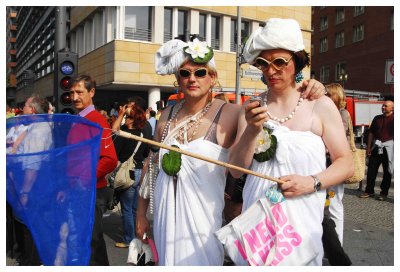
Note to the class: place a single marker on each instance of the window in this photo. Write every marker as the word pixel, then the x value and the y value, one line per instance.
pixel 98 30
pixel 324 23
pixel 88 33
pixel 138 23
pixel 324 74
pixel 215 32
pixel 339 15
pixel 183 23
pixel 358 11
pixel 340 70
pixel 339 39
pixel 167 24
pixel 245 32
pixel 358 33
pixel 233 35
pixel 202 26
pixel 80 43
pixel 323 45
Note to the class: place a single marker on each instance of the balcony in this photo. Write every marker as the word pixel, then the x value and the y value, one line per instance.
pixel 12 64
pixel 12 52
pixel 13 40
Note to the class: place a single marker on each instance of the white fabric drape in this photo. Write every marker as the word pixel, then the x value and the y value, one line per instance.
pixel 185 220
pixel 298 152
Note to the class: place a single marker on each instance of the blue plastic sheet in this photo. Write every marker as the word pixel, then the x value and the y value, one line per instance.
pixel 51 182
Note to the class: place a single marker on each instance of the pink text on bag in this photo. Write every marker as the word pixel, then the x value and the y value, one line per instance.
pixel 265 235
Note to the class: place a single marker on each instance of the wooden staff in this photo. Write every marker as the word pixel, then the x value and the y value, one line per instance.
pixel 194 155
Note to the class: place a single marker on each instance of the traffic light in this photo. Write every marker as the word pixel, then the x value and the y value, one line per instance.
pixel 66 68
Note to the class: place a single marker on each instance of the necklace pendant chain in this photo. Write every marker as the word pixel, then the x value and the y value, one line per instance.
pixel 287 118
pixel 194 120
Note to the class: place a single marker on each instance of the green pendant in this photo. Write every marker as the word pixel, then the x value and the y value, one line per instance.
pixel 171 162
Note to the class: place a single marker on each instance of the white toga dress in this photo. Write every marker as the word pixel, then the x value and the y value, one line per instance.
pixel 298 152
pixel 185 220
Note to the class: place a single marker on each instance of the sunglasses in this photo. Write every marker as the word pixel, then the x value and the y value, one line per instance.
pixel 278 63
pixel 201 72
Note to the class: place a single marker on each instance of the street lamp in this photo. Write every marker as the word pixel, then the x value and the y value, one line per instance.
pixel 343 78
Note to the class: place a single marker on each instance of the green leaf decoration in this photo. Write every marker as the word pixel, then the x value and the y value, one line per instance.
pixel 171 162
pixel 269 153
pixel 207 57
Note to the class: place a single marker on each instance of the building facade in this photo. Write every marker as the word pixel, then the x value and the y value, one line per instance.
pixel 11 38
pixel 354 46
pixel 34 52
pixel 117 45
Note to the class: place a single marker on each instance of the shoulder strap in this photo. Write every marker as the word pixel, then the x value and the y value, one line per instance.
pixel 136 148
pixel 352 145
pixel 211 134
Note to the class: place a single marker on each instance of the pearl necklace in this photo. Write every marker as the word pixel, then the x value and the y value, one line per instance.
pixel 168 124
pixel 287 118
pixel 194 120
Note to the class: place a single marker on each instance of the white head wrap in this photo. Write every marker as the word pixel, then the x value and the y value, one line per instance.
pixel 170 57
pixel 276 34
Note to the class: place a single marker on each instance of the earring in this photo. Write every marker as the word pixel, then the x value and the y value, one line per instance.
pixel 264 80
pixel 299 77
pixel 176 84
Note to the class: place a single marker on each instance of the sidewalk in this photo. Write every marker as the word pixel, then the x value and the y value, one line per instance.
pixel 368 230
pixel 369 227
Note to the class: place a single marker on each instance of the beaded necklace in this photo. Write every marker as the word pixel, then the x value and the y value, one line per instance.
pixel 193 121
pixel 168 124
pixel 287 118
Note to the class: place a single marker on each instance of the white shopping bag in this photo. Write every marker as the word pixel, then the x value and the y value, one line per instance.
pixel 265 234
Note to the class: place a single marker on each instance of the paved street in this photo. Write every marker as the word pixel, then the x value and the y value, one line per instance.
pixel 369 227
pixel 368 230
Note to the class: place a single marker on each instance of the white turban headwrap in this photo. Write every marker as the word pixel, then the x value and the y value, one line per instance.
pixel 276 34
pixel 170 57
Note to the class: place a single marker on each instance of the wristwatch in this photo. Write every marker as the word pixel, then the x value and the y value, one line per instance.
pixel 317 183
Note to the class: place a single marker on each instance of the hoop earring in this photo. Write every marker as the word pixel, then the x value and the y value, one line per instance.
pixel 210 95
pixel 299 77
pixel 176 84
pixel 263 80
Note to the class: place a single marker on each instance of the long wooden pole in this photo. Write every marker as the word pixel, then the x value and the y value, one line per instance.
pixel 194 155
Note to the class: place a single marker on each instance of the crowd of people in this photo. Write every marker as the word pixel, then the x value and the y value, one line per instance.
pixel 289 131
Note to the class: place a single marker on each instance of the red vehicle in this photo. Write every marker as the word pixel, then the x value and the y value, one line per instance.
pixel 173 98
pixel 363 107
